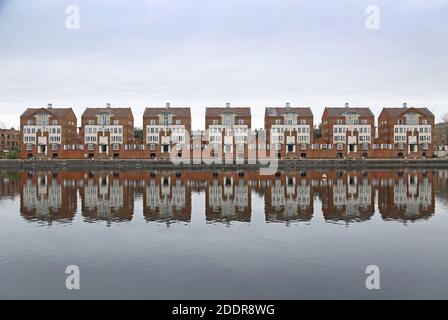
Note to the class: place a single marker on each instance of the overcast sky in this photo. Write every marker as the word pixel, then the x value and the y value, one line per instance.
pixel 200 53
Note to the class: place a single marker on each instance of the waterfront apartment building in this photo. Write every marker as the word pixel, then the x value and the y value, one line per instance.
pixel 166 128
pixel 44 132
pixel 289 131
pixel 9 140
pixel 106 132
pixel 347 132
pixel 409 132
pixel 227 132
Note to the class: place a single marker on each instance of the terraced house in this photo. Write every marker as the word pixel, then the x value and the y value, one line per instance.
pixel 347 132
pixel 165 129
pixel 409 132
pixel 106 131
pixel 45 133
pixel 227 131
pixel 289 131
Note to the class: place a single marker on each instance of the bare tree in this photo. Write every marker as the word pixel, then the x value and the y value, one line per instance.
pixel 445 118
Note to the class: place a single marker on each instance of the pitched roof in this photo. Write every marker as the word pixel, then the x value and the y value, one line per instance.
pixel 116 112
pixel 339 111
pixel 56 112
pixel 275 112
pixel 214 112
pixel 179 112
pixel 397 112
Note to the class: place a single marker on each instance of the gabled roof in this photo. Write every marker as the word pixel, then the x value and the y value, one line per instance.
pixel 116 112
pixel 301 111
pixel 240 112
pixel 179 112
pixel 55 112
pixel 339 111
pixel 398 112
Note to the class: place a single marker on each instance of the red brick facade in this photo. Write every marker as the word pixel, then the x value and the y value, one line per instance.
pixel 409 132
pixel 289 131
pixel 165 129
pixel 44 132
pixel 105 132
pixel 348 132
pixel 108 133
pixel 227 132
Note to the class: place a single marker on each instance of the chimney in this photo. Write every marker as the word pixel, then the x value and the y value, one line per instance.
pixel 405 105
pixel 288 105
pixel 347 105
pixel 107 105
pixel 228 105
pixel 167 105
pixel 50 106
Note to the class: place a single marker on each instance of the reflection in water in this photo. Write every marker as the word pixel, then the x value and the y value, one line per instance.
pixel 109 196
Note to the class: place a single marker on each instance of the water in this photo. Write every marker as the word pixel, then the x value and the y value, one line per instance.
pixel 228 235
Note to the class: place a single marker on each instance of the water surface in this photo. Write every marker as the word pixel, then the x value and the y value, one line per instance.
pixel 224 235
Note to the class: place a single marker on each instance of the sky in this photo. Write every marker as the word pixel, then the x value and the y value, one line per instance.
pixel 199 53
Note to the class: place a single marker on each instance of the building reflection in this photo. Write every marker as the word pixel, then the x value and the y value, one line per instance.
pixel 228 197
pixel 107 196
pixel 406 195
pixel 166 196
pixel 48 197
pixel 9 184
pixel 289 197
pixel 347 196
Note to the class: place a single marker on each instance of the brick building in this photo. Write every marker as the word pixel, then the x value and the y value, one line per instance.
pixel 45 131
pixel 409 132
pixel 289 131
pixel 9 140
pixel 347 132
pixel 106 131
pixel 227 132
pixel 165 128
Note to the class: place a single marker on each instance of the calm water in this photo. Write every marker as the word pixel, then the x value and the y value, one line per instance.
pixel 226 235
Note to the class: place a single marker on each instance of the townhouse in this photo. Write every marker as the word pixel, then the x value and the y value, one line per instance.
pixel 227 132
pixel 289 131
pixel 347 132
pixel 165 129
pixel 107 132
pixel 45 132
pixel 409 132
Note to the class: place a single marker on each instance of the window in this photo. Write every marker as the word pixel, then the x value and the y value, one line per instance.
pixel 42 119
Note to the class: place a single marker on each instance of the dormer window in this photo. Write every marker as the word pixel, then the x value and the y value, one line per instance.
pixel 240 121
pixel 351 118
pixel 42 119
pixel 104 119
pixel 412 119
pixel 277 121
